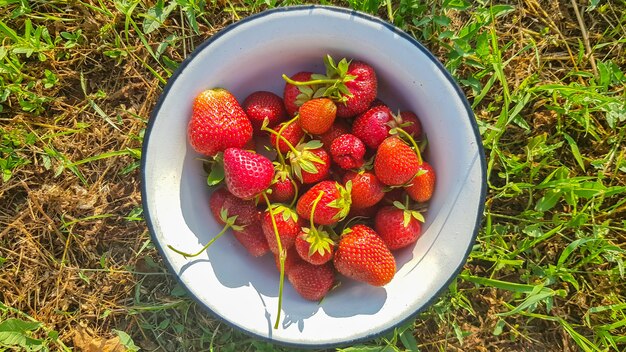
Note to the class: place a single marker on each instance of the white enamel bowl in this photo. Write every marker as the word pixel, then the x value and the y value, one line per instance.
pixel 251 55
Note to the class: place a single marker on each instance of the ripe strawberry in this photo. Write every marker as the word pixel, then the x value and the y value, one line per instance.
pixel 352 86
pixel 283 188
pixel 312 282
pixel 287 223
pixel 262 105
pixel 423 184
pixel 217 122
pixel 317 115
pixel 311 164
pixel 312 248
pixel 252 239
pixel 411 123
pixel 363 90
pixel 373 126
pixel 333 206
pixel 337 129
pixel 367 190
pixel 293 133
pixel 348 151
pixel 396 163
pixel 245 210
pixel 398 226
pixel 363 256
pixel 295 96
pixel 246 173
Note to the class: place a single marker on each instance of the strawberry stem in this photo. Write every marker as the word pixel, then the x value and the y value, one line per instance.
pixel 295 195
pixel 317 200
pixel 309 83
pixel 279 137
pixel 415 147
pixel 190 255
pixel 282 254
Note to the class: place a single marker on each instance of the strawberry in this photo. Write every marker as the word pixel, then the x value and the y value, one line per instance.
pixel 348 151
pixel 307 250
pixel 411 123
pixel 363 90
pixel 363 256
pixel 283 188
pixel 317 115
pixel 373 126
pixel 337 129
pixel 352 86
pixel 252 239
pixel 245 210
pixel 333 206
pixel 310 163
pixel 293 133
pixel 398 226
pixel 287 223
pixel 262 105
pixel 217 122
pixel 422 186
pixel 367 190
pixel 396 163
pixel 294 96
pixel 312 282
pixel 247 174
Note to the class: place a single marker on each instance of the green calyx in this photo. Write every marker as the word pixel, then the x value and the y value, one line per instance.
pixel 408 214
pixel 319 240
pixel 343 202
pixel 286 212
pixel 302 158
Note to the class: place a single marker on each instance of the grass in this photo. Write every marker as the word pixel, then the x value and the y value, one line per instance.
pixel 546 81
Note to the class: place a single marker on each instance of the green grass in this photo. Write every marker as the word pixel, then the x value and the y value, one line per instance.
pixel 77 84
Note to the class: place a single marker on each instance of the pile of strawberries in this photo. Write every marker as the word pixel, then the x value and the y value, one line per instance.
pixel 346 187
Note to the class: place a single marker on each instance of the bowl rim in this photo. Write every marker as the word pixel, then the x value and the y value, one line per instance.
pixel 395 30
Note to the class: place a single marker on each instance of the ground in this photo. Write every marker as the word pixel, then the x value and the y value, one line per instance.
pixel 78 82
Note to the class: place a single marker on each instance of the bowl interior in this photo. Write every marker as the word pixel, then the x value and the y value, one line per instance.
pixel 251 55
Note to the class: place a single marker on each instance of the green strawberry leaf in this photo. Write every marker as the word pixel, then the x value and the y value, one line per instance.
pixel 308 166
pixel 312 144
pixel 418 216
pixel 406 218
pixel 398 205
pixel 216 175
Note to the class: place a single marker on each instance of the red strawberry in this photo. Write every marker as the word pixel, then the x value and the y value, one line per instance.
pixel 373 126
pixel 337 129
pixel 217 122
pixel 333 206
pixel 348 151
pixel 295 96
pixel 293 133
pixel 252 239
pixel 287 223
pixel 245 210
pixel 246 173
pixel 396 163
pixel 423 184
pixel 312 282
pixel 262 105
pixel 398 225
pixel 316 255
pixel 311 164
pixel 363 256
pixel 363 90
pixel 411 123
pixel 367 190
pixel 283 189
pixel 317 115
